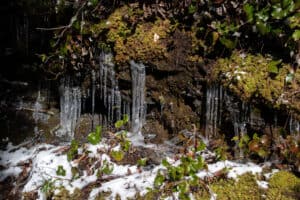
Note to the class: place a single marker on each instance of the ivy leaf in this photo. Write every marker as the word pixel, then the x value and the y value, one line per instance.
pixel 296 35
pixel 60 171
pixel 249 12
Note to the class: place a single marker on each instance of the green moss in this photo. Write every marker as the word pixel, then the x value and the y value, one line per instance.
pixel 132 40
pixel 249 76
pixel 244 188
pixel 284 186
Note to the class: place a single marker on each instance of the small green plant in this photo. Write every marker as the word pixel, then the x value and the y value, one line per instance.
pixel 122 122
pixel 159 179
pixel 106 168
pixel 181 178
pixel 95 137
pixel 117 155
pixel 142 162
pixel 48 187
pixel 73 151
pixel 60 171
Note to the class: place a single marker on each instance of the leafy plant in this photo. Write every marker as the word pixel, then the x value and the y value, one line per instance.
pixel 159 179
pixel 122 122
pixel 60 171
pixel 117 155
pixel 95 137
pixel 142 162
pixel 73 151
pixel 48 187
pixel 106 168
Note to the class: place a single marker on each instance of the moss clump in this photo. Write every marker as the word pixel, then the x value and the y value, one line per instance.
pixel 244 188
pixel 143 41
pixel 251 76
pixel 284 186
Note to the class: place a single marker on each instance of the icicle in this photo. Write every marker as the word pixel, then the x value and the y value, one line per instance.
pixel 214 101
pixel 70 109
pixel 36 113
pixel 110 94
pixel 93 96
pixel 118 103
pixel 138 115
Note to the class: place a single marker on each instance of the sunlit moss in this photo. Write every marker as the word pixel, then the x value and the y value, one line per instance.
pixel 244 188
pixel 283 185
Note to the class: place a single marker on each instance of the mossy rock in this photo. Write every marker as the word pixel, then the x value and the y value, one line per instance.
pixel 283 185
pixel 252 76
pixel 133 38
pixel 245 188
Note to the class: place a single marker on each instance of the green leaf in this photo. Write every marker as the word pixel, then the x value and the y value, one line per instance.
pixel 119 123
pixel 106 168
pixel 117 155
pixel 235 138
pixel 296 35
pixel 73 150
pixel 263 27
pixel 142 162
pixel 125 118
pixel 159 180
pixel 273 66
pixel 126 144
pixel 227 43
pixel 93 2
pixel 47 186
pixel 95 137
pixel 192 9
pixel 201 146
pixel 165 163
pixel 249 12
pixel 60 171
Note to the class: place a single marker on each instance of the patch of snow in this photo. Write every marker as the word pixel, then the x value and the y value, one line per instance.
pixel 263 184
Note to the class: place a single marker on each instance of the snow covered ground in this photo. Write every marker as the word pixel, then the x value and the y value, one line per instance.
pixel 125 180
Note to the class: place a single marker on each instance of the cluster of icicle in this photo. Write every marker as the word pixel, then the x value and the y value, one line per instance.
pixel 70 108
pixel 113 105
pixel 240 114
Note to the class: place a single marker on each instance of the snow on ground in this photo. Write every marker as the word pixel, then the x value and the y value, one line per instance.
pixel 46 159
